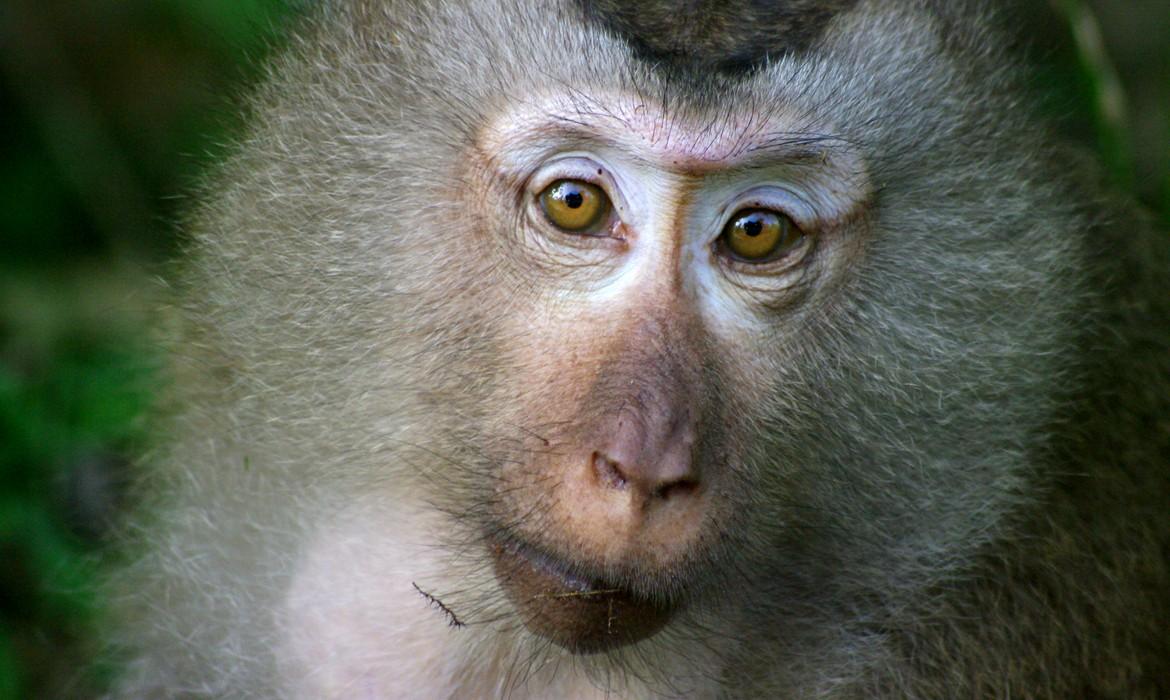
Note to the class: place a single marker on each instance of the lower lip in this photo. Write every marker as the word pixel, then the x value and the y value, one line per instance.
pixel 582 615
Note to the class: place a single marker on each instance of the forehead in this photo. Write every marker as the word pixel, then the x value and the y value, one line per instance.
pixel 730 36
pixel 690 145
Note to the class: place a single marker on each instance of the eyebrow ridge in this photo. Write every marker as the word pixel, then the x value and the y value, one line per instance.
pixel 753 153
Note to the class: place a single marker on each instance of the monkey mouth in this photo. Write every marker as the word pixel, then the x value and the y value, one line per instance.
pixel 582 614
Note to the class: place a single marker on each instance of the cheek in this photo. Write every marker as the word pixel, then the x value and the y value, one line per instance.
pixel 552 365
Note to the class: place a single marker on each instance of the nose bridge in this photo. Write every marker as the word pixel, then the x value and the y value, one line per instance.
pixel 659 343
pixel 660 234
pixel 648 436
pixel 649 389
pixel 661 349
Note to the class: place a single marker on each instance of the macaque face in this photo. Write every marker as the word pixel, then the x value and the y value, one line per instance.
pixel 660 371
pixel 659 273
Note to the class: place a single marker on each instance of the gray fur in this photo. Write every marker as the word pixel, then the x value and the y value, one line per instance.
pixel 956 488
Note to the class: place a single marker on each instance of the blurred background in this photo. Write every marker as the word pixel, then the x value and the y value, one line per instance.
pixel 110 109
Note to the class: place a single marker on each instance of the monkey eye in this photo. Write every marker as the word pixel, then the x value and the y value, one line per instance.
pixel 760 235
pixel 575 206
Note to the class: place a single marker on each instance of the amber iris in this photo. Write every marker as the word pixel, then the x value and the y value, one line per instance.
pixel 760 235
pixel 573 205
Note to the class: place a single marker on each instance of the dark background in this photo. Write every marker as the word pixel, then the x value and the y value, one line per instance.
pixel 109 109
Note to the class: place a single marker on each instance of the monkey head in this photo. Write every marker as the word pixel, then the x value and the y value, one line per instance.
pixel 611 354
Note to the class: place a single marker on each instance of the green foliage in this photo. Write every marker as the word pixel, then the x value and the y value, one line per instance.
pixel 78 403
pixel 111 108
pixel 1109 104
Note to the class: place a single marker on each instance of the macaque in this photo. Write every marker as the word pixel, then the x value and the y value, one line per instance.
pixel 600 349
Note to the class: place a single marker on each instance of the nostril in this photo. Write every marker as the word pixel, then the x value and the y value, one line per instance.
pixel 682 487
pixel 612 474
pixel 609 472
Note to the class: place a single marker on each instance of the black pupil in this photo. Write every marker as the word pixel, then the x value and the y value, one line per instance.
pixel 753 226
pixel 574 199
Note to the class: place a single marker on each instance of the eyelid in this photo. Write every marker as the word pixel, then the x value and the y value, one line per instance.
pixel 583 168
pixel 776 198
pixel 781 267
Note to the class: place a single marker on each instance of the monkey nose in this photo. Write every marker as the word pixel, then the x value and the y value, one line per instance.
pixel 655 465
pixel 649 450
pixel 654 481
